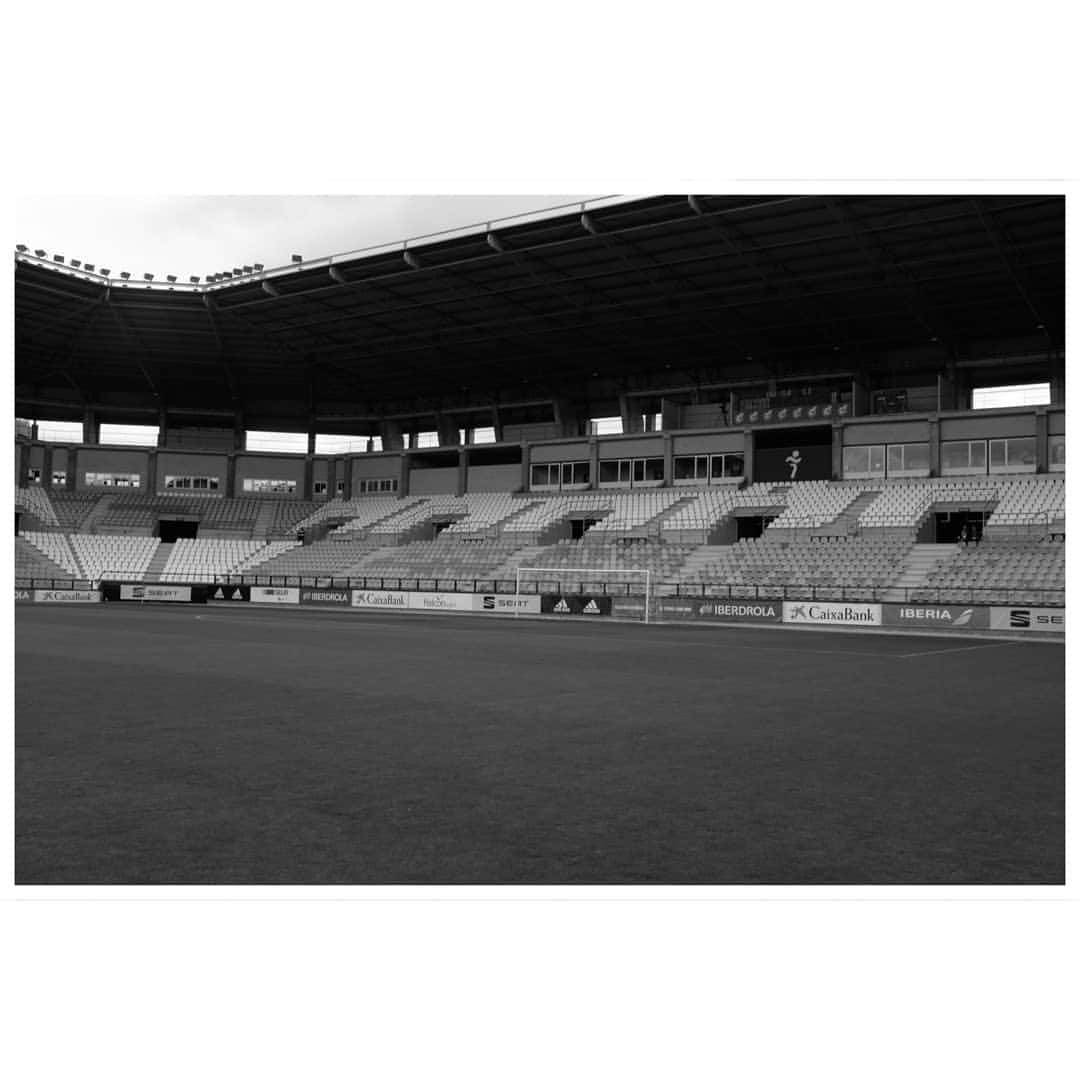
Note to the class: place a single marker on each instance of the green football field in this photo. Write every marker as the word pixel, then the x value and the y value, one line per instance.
pixel 210 745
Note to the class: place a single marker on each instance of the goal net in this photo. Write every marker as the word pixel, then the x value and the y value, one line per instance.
pixel 624 593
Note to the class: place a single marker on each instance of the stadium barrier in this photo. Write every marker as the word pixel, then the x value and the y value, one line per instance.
pixel 711 610
pixel 575 604
pixel 826 613
pixel 936 616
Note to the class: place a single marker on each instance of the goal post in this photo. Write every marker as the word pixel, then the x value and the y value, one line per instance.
pixel 573 580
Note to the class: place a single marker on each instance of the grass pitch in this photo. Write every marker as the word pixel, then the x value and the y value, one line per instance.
pixel 242 746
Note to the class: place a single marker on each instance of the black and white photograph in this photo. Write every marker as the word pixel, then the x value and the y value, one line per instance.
pixel 539 542
pixel 681 539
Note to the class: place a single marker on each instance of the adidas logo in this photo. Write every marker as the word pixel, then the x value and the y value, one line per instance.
pixel 562 607
pixel 591 608
pixel 219 595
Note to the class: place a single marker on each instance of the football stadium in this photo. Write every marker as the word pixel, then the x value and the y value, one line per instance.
pixel 686 539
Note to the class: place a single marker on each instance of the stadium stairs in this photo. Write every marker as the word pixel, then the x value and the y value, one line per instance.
pixel 157 563
pixel 846 523
pixel 921 562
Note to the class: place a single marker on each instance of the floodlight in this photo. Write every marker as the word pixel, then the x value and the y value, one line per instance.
pixel 170 277
pixel 337 275
pixel 89 266
pixel 298 258
pixel 40 253
pixel 412 260
pixel 148 277
pixel 237 271
pixel 106 273
pixel 495 243
pixel 258 266
pixel 76 263
pixel 58 258
pixel 269 289
pixel 20 247
pixel 124 274
pixel 249 269
pixel 227 275
pixel 194 280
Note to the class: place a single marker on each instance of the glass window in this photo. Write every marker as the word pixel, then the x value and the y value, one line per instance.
pixel 917 457
pixel 954 455
pixel 877 460
pixel 60 431
pixel 856 460
pixel 1057 452
pixel 997 452
pixel 539 476
pixel 289 442
pixel 581 472
pixel 639 470
pixel 111 479
pixel 483 435
pixel 978 454
pixel 319 487
pixel 609 472
pixel 605 425
pixel 341 444
pixel 35 476
pixel 684 468
pixel 654 469
pixel 273 486
pixel 426 439
pixel 341 487
pixel 1005 397
pixel 733 464
pixel 129 434
pixel 59 478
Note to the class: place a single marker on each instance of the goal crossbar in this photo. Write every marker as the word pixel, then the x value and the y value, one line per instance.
pixel 575 572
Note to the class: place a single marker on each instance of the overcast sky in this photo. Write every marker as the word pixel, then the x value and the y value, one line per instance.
pixel 187 235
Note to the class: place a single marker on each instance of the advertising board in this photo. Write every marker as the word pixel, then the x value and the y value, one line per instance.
pixel 158 593
pixel 265 594
pixel 1018 617
pixel 935 616
pixel 575 604
pixel 325 597
pixel 229 592
pixel 438 601
pixel 831 613
pixel 380 598
pixel 523 605
pixel 23 596
pixel 713 609
pixel 66 596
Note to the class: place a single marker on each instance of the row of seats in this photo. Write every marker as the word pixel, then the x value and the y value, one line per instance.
pixel 114 556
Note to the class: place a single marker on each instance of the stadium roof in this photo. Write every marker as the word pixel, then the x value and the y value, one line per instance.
pixel 619 290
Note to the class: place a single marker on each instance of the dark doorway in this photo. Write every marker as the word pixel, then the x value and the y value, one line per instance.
pixel 949 525
pixel 580 526
pixel 16 522
pixel 441 526
pixel 750 528
pixel 171 530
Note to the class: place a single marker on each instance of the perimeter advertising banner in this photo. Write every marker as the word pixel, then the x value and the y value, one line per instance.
pixel 524 605
pixel 263 594
pixel 229 592
pixel 575 604
pixel 831 613
pixel 441 601
pixel 24 596
pixel 716 610
pixel 1039 619
pixel 380 598
pixel 66 596
pixel 325 597
pixel 180 594
pixel 936 616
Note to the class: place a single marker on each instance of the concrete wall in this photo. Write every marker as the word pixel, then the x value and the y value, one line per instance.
pixel 877 434
pixel 436 481
pixel 611 449
pixel 199 438
pixel 1001 426
pixel 376 467
pixel 577 450
pixel 1055 421
pixel 268 467
pixel 94 459
pixel 493 478
pixel 170 463
pixel 725 443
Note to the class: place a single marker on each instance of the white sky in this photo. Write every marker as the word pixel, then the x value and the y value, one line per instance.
pixel 199 234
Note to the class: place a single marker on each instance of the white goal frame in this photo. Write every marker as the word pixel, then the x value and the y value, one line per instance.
pixel 573 571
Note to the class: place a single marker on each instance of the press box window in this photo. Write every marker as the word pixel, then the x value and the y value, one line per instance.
pixel 1056 453
pixel 1012 455
pixel 863 462
pixel 192 483
pixel 958 458
pixel 909 459
pixel 93 479
pixel 559 475
pixel 319 487
pixel 630 471
pixel 275 487
pixel 373 487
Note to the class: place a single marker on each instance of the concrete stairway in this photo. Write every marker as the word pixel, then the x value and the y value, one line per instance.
pixel 920 562
pixel 157 563
pixel 846 522
pixel 100 511
pixel 264 521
